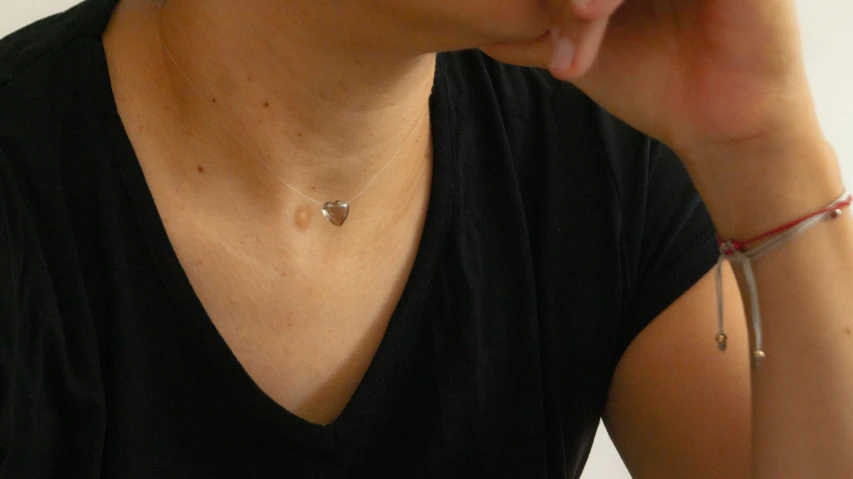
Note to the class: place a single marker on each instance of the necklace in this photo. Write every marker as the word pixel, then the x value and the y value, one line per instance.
pixel 335 211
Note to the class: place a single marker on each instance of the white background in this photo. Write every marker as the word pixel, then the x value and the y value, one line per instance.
pixel 828 40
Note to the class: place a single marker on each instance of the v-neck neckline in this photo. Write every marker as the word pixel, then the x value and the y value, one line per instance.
pixel 387 365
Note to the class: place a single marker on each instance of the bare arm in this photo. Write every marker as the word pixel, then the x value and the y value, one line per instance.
pixel 678 408
pixel 803 391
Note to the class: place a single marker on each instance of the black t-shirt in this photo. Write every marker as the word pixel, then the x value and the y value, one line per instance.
pixel 554 234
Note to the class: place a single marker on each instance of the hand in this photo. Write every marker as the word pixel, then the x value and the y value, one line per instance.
pixel 699 75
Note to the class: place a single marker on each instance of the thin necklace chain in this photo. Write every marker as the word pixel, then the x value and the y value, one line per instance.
pixel 260 158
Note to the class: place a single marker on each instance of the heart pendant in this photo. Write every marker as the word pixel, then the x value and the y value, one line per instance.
pixel 336 212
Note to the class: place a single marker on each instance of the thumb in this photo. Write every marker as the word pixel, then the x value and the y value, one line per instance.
pixel 575 43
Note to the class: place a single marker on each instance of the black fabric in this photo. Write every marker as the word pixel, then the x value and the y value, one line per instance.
pixel 554 235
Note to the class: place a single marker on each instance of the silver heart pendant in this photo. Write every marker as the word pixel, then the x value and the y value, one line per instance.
pixel 336 212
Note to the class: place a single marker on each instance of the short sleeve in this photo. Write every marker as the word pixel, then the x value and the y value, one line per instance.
pixel 669 237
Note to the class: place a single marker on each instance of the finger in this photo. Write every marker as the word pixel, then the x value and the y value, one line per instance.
pixel 574 47
pixel 594 9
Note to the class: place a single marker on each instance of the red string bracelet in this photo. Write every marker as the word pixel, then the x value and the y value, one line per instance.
pixel 734 245
pixel 742 252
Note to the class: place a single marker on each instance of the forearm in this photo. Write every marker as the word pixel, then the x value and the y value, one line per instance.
pixel 803 391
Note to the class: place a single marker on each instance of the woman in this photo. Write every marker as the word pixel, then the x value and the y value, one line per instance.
pixel 286 239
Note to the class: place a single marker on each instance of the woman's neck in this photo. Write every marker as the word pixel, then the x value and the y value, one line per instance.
pixel 293 83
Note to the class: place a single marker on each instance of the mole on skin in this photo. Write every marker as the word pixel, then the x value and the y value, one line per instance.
pixel 302 217
pixel 200 169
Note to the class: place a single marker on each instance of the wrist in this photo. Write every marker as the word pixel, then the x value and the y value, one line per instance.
pixel 753 187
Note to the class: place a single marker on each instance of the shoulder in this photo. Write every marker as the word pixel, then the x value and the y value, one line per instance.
pixel 547 124
pixel 531 99
pixel 44 76
pixel 578 168
pixel 23 49
pixel 473 74
pixel 37 61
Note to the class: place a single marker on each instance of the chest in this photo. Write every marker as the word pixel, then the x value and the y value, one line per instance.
pixel 304 320
pixel 465 375
pixel 460 348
